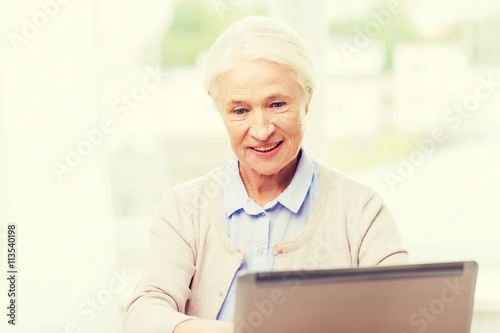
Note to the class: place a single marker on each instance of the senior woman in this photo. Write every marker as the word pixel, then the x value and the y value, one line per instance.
pixel 271 207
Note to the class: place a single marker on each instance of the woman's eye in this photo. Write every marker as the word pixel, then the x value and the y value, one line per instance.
pixel 239 111
pixel 277 104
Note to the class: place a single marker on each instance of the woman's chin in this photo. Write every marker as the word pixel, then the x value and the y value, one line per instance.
pixel 269 168
pixel 263 168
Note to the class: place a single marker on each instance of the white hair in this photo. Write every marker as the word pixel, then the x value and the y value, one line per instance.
pixel 255 38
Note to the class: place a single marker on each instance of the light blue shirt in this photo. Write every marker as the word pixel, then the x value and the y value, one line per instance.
pixel 254 228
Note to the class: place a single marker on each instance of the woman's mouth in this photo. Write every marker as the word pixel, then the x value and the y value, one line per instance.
pixel 266 149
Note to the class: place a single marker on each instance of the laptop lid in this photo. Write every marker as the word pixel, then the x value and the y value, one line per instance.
pixel 431 298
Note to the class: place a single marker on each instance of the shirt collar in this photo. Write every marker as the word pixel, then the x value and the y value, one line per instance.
pixel 235 196
pixel 293 196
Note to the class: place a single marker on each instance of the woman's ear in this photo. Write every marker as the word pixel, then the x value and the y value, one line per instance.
pixel 308 98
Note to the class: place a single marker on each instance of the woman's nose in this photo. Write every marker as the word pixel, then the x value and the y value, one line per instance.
pixel 262 126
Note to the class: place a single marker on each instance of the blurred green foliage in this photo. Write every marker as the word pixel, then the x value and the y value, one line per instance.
pixel 399 30
pixel 487 48
pixel 196 24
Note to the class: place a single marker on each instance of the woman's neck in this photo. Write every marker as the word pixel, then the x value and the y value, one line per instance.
pixel 265 188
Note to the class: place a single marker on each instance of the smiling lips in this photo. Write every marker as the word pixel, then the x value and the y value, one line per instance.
pixel 265 149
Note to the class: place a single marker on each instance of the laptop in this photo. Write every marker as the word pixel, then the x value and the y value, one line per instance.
pixel 430 298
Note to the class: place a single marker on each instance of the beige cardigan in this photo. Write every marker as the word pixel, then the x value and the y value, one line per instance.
pixel 192 261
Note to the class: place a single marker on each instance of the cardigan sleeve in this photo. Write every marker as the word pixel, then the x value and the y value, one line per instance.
pixel 381 243
pixel 158 302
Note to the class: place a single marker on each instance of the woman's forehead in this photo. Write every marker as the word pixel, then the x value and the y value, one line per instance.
pixel 259 78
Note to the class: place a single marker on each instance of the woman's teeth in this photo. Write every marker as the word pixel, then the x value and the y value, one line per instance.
pixel 268 148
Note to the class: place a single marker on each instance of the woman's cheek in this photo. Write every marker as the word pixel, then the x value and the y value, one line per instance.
pixel 239 131
pixel 283 119
pixel 290 123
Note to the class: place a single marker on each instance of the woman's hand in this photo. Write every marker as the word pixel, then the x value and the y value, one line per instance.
pixel 204 326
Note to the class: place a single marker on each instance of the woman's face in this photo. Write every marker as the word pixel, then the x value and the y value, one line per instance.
pixel 263 108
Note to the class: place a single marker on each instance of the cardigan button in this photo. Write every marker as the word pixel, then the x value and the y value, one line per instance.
pixel 221 294
pixel 279 250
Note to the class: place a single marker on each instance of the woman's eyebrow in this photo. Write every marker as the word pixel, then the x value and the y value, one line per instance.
pixel 276 96
pixel 232 103
pixel 270 97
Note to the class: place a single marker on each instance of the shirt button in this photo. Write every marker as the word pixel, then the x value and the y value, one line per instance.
pixel 262 214
pixel 259 251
